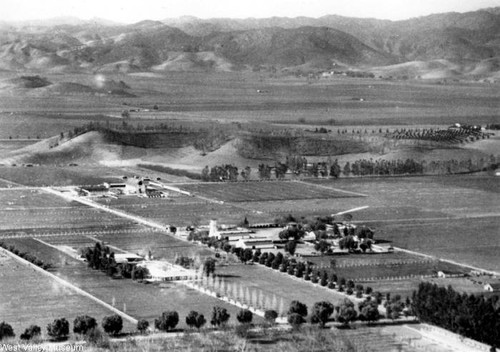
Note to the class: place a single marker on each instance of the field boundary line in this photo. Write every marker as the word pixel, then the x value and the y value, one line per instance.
pixel 70 285
pixel 431 332
pixel 331 188
pixel 491 272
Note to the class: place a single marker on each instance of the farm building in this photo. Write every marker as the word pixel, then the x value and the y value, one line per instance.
pixel 255 243
pixel 165 271
pixel 231 233
pixel 492 287
pixel 94 191
pixel 444 274
pixel 128 258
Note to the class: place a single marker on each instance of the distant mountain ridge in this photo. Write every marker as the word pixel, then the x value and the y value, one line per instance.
pixel 308 44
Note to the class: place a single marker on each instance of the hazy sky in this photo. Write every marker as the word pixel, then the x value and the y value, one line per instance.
pixel 132 11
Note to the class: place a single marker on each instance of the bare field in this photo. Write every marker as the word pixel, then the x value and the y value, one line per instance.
pixel 263 191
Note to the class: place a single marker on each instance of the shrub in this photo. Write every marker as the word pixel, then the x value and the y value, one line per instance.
pixel 83 323
pixel 95 337
pixel 58 329
pixel 167 321
pixel 112 324
pixel 6 331
pixel 31 332
pixel 349 291
pixel 368 290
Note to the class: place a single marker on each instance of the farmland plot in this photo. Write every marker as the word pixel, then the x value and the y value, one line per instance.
pixel 141 301
pixel 263 191
pixel 36 299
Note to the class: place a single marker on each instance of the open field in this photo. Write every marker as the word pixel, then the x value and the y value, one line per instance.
pixel 263 191
pixel 37 299
pixel 141 301
pixel 33 211
pixel 184 211
pixel 452 217
pixel 40 176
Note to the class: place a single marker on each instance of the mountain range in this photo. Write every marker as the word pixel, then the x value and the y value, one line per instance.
pixel 462 43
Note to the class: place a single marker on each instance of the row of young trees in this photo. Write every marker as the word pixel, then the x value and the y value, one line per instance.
pixel 471 316
pixel 27 256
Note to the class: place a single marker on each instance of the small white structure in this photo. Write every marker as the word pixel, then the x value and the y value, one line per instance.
pixel 124 258
pixel 165 271
pixel 492 287
pixel 255 243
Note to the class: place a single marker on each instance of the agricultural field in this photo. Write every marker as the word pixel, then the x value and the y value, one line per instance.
pixel 264 191
pixel 184 211
pixel 34 211
pixel 36 299
pixel 451 217
pixel 141 301
pixel 40 176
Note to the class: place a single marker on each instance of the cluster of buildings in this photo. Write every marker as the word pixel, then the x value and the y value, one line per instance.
pixel 130 186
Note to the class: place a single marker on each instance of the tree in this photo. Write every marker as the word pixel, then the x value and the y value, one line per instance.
pixel 322 246
pixel 83 323
pixel 220 316
pixel 125 114
pixel 297 307
pixel 244 316
pixel 58 329
pixel 195 319
pixel 142 326
pixel 296 320
pixel 324 278
pixel 290 247
pixel 112 324
pixel 6 331
pixel 31 332
pixel 321 312
pixel 270 316
pixel 347 313
pixel 209 266
pixel 246 255
pixel 370 312
pixel 167 321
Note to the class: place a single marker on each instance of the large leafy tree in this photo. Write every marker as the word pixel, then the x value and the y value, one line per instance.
pixel 195 319
pixel 58 329
pixel 167 321
pixel 321 312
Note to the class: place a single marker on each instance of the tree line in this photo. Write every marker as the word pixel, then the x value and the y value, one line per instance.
pixel 475 317
pixel 27 256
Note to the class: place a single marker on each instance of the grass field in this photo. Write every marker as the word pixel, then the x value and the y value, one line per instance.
pixel 141 301
pixel 37 299
pixel 452 217
pixel 263 191
pixel 60 176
